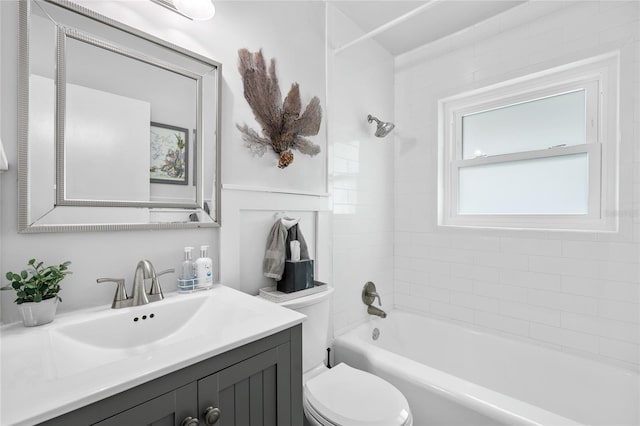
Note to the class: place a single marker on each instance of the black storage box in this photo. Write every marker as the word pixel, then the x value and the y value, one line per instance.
pixel 297 275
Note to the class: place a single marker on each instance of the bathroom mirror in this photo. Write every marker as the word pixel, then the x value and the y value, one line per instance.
pixel 117 129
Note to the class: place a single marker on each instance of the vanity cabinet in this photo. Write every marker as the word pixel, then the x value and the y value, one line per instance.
pixel 257 384
pixel 252 392
pixel 164 410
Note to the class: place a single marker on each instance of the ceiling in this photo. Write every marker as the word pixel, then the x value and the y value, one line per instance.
pixel 437 19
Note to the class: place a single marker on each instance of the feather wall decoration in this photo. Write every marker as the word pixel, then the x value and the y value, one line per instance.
pixel 284 125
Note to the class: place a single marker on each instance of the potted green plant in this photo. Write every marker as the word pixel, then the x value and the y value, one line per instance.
pixel 37 291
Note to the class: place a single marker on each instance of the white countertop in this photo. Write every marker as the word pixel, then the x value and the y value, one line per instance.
pixel 45 374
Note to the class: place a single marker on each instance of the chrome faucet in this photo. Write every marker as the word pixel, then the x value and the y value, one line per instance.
pixel 372 310
pixel 369 295
pixel 145 272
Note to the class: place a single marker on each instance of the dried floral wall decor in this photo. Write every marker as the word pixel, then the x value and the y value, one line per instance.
pixel 284 128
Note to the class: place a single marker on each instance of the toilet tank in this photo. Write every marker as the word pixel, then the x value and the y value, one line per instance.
pixel 315 329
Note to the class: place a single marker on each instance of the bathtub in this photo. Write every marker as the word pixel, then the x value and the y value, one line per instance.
pixel 452 375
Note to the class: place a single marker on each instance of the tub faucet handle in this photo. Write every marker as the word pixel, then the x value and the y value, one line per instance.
pixel 369 294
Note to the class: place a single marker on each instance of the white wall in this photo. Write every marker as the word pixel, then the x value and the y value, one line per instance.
pixel 360 83
pixel 578 292
pixel 291 32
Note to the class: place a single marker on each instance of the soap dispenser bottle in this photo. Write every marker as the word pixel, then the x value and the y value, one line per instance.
pixel 204 267
pixel 187 280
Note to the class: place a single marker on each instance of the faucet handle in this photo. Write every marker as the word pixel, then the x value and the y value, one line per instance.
pixel 166 271
pixel 369 294
pixel 121 291
pixel 156 289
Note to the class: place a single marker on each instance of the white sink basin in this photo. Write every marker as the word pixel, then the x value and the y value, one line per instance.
pixel 128 328
pixel 88 355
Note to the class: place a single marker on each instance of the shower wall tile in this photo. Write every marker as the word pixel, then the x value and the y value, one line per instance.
pixel 564 266
pixel 361 172
pixel 451 311
pixel 502 323
pixel 502 260
pixel 626 331
pixel 618 252
pixel 574 291
pixel 563 302
pixel 499 291
pixel 533 280
pixel 619 291
pixel 485 244
pixel 619 350
pixel 527 312
pixel 533 246
pixel 565 337
pixel 622 311
pixel 616 271
pixel 581 286
pixel 475 301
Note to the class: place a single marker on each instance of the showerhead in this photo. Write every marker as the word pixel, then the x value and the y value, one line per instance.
pixel 384 128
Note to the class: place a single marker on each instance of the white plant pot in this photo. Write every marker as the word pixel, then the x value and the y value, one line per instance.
pixel 38 313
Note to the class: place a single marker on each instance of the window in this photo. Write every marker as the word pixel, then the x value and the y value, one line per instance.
pixel 537 152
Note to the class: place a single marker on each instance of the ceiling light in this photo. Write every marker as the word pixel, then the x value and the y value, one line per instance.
pixel 198 10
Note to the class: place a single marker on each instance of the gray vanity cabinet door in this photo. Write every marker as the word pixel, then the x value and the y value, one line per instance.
pixel 169 409
pixel 254 392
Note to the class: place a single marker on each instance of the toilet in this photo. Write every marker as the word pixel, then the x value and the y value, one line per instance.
pixel 342 395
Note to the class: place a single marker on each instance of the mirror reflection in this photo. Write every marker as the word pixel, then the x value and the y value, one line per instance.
pixel 116 137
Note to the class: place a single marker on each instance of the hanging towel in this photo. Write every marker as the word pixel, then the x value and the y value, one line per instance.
pixel 278 250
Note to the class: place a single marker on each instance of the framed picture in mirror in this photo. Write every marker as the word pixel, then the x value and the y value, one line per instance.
pixel 169 150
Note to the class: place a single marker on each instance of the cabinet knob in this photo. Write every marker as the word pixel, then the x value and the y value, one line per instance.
pixel 211 415
pixel 190 421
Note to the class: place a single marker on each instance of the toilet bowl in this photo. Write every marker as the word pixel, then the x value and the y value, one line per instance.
pixel 342 395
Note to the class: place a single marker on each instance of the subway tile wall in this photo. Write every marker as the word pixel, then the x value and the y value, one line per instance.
pixel 576 292
pixel 360 170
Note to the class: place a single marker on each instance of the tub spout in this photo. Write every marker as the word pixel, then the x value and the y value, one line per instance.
pixel 372 310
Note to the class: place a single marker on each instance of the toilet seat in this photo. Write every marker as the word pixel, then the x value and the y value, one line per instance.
pixel 345 396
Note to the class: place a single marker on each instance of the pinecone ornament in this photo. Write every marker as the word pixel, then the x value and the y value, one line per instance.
pixel 286 158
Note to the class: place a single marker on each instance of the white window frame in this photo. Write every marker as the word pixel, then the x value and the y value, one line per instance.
pixel 599 78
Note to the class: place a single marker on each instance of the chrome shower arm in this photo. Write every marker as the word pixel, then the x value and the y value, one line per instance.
pixel 371 119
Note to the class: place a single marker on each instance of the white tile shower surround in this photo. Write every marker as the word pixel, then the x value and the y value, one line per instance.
pixel 361 169
pixel 577 292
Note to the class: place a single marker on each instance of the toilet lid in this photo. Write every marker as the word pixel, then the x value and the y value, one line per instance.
pixel 347 396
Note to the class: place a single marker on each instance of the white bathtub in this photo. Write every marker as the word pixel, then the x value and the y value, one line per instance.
pixel 457 376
